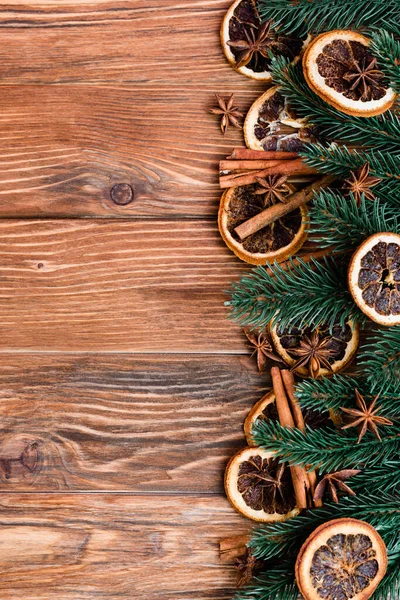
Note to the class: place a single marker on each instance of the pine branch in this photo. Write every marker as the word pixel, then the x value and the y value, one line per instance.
pixel 380 359
pixel 330 394
pixel 276 583
pixel 285 538
pixel 306 293
pixel 383 131
pixel 336 220
pixel 383 478
pixel 327 449
pixel 387 50
pixel 304 16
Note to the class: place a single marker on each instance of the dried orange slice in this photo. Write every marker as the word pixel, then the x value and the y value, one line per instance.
pixel 341 344
pixel 259 487
pixel 271 125
pixel 343 559
pixel 339 67
pixel 265 409
pixel 247 42
pixel 276 242
pixel 374 278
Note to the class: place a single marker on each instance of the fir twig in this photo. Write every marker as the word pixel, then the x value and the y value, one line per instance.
pixel 277 582
pixel 387 50
pixel 380 359
pixel 327 449
pixel 305 16
pixel 336 220
pixel 383 131
pixel 307 293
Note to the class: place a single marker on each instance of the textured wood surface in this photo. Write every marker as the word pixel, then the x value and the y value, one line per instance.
pixel 159 423
pixel 78 546
pixel 123 387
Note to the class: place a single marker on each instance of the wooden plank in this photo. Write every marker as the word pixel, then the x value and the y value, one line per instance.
pixel 64 147
pixel 116 286
pixel 72 546
pixel 145 423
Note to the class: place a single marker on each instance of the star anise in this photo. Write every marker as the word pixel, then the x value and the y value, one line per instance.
pixel 361 182
pixel 364 76
pixel 263 348
pixel 312 353
pixel 229 113
pixel 248 566
pixel 335 480
pixel 273 188
pixel 365 416
pixel 258 41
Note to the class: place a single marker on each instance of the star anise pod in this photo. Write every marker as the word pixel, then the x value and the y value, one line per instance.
pixel 361 182
pixel 273 188
pixel 335 480
pixel 312 353
pixel 247 565
pixel 364 76
pixel 366 417
pixel 262 348
pixel 258 41
pixel 229 113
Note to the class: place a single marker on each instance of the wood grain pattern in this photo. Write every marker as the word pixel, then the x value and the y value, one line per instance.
pixel 116 286
pixel 74 546
pixel 120 108
pixel 121 422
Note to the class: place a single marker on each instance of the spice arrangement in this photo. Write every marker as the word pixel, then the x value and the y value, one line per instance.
pixel 321 469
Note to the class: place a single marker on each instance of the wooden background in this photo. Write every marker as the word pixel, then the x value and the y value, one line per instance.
pixel 123 385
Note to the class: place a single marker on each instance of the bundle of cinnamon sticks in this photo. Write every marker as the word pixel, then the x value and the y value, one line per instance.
pixel 290 415
pixel 244 166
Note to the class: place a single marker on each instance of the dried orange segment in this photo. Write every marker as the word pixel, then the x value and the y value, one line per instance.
pixel 247 42
pixel 259 487
pixel 275 242
pixel 297 345
pixel 339 67
pixel 343 559
pixel 271 125
pixel 263 409
pixel 374 278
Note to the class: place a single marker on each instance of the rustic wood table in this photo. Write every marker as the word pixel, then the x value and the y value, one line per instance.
pixel 123 385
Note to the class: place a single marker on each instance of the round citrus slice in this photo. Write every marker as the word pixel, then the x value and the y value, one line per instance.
pixel 265 409
pixel 259 487
pixel 374 278
pixel 339 67
pixel 247 42
pixel 271 125
pixel 275 242
pixel 322 350
pixel 343 559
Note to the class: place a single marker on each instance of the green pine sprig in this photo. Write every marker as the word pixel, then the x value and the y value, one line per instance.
pixel 379 359
pixel 386 48
pixel 306 293
pixel 382 131
pixel 305 16
pixel 276 582
pixel 327 449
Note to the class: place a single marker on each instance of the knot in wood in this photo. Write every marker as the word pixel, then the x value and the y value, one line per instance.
pixel 121 194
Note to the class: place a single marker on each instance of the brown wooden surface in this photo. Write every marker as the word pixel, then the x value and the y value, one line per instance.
pixel 123 387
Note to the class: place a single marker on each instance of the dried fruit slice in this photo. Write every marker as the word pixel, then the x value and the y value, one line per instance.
pixel 339 67
pixel 374 278
pixel 246 41
pixel 265 409
pixel 341 344
pixel 271 125
pixel 276 242
pixel 259 487
pixel 343 559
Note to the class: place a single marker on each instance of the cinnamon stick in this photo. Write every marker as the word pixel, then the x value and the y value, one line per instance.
pixel 277 211
pixel 299 477
pixel 285 167
pixel 288 381
pixel 246 153
pixel 247 165
pixel 233 547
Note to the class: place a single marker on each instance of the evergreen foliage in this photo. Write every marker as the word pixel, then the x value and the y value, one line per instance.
pixel 387 50
pixel 305 16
